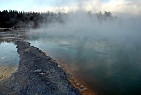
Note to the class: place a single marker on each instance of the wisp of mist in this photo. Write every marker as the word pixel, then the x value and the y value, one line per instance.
pixel 122 27
pixel 84 28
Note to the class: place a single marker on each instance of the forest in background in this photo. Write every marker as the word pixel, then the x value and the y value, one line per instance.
pixel 20 19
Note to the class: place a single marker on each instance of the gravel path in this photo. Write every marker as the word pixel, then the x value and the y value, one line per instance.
pixel 38 74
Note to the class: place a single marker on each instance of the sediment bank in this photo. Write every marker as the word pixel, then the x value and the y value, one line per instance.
pixel 38 74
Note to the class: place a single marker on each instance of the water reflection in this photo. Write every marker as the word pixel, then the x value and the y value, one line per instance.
pixel 106 67
pixel 8 59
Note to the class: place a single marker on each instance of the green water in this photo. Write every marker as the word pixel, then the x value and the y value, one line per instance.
pixel 108 68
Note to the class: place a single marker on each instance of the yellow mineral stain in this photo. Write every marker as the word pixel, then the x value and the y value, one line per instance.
pixel 6 71
pixel 3 57
pixel 27 49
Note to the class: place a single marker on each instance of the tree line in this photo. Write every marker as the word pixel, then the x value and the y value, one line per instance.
pixel 13 18
pixel 21 19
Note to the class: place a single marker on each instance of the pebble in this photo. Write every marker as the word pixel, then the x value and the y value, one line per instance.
pixel 52 70
pixel 80 90
pixel 81 86
pixel 77 84
pixel 84 88
pixel 60 66
pixel 42 73
pixel 27 49
pixel 69 75
pixel 74 81
pixel 38 70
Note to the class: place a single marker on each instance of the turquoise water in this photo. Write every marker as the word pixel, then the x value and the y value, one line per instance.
pixel 107 66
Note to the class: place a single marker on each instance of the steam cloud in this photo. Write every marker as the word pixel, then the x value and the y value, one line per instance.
pixel 117 7
pixel 106 46
pixel 82 29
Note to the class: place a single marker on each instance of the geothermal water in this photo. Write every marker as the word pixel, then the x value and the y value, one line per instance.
pixel 8 59
pixel 103 55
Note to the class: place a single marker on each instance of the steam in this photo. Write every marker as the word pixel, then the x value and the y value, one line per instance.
pixel 117 7
pixel 84 29
pixel 94 44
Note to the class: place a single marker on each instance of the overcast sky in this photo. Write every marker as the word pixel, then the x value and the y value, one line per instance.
pixel 119 6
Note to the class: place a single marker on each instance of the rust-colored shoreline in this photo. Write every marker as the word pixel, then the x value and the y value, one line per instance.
pixel 75 80
pixel 78 83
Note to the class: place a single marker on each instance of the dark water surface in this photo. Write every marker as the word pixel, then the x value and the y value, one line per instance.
pixel 106 67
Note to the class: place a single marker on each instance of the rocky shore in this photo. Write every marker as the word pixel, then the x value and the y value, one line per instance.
pixel 38 74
